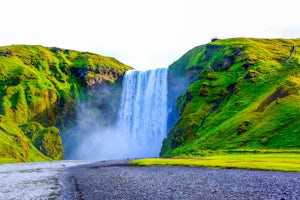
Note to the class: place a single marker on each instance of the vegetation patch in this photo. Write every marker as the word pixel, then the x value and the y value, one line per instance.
pixel 267 161
pixel 243 94
pixel 39 88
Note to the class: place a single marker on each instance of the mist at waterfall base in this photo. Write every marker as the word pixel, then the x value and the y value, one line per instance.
pixel 140 127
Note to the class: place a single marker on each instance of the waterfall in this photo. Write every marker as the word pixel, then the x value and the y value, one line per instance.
pixel 141 123
pixel 142 116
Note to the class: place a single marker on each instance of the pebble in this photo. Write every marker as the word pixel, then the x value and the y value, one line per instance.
pixel 116 180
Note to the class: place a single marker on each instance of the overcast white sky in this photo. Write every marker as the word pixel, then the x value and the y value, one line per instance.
pixel 143 33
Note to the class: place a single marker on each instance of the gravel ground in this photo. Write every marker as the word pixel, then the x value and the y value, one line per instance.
pixel 36 180
pixel 116 180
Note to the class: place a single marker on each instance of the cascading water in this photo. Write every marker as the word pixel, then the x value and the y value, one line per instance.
pixel 142 116
pixel 141 123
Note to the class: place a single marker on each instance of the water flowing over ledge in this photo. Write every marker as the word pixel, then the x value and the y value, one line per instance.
pixel 142 116
pixel 140 126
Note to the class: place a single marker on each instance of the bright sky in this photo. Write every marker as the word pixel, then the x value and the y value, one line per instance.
pixel 143 33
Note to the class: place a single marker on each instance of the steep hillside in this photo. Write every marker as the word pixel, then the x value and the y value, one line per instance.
pixel 245 94
pixel 39 87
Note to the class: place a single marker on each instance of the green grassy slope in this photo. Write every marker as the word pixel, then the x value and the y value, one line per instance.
pixel 38 88
pixel 246 95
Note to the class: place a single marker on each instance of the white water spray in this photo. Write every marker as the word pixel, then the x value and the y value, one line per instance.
pixel 141 124
pixel 143 111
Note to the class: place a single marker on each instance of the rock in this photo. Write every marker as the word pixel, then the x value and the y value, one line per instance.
pixel 7 53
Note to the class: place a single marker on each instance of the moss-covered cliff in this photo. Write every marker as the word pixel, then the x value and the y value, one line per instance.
pixel 38 90
pixel 245 93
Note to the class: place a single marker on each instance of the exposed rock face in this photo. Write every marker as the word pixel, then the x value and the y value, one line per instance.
pixel 39 90
pixel 106 97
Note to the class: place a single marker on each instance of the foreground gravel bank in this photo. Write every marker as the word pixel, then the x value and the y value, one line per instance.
pixel 116 180
pixel 36 180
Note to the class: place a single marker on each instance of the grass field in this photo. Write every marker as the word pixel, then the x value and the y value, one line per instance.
pixel 269 161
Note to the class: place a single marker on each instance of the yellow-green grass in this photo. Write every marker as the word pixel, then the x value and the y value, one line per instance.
pixel 271 161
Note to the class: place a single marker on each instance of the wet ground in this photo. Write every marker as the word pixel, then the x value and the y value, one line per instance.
pixel 40 180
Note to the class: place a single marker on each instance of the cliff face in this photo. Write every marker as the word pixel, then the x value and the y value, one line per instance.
pixel 244 94
pixel 39 88
pixel 232 94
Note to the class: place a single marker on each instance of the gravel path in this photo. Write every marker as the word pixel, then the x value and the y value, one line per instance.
pixel 116 180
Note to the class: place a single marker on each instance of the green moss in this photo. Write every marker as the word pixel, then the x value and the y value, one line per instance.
pixel 15 146
pixel 40 85
pixel 47 140
pixel 247 97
